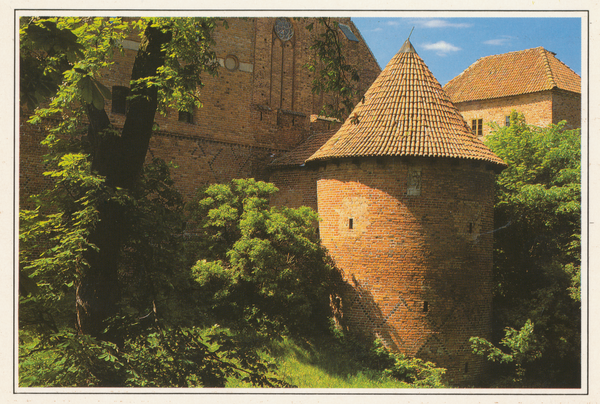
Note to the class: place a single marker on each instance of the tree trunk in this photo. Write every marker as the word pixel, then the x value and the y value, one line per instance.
pixel 120 160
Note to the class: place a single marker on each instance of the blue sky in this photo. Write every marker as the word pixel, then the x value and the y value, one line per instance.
pixel 450 45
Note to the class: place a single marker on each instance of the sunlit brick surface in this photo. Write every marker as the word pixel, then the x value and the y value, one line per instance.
pixel 420 267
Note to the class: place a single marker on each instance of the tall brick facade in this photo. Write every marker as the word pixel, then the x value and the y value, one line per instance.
pixel 533 82
pixel 259 106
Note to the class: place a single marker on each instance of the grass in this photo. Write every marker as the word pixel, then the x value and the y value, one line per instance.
pixel 327 365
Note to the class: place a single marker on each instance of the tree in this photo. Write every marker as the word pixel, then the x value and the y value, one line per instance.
pixel 333 74
pixel 522 348
pixel 537 245
pixel 108 228
pixel 260 268
pixel 167 64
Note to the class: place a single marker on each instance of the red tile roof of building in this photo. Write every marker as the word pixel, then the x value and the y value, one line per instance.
pixel 405 112
pixel 511 74
pixel 299 155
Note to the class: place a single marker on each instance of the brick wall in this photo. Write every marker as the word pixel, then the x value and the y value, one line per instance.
pixel 536 107
pixel 200 162
pixel 261 102
pixel 566 106
pixel 297 187
pixel 266 99
pixel 540 109
pixel 419 267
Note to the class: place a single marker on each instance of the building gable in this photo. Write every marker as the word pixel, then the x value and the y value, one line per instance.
pixel 512 74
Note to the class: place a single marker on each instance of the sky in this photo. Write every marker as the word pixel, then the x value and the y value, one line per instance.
pixel 450 45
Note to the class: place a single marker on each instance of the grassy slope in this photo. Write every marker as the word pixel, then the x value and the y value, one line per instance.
pixel 323 366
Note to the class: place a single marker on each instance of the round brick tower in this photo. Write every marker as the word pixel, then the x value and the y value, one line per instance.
pixel 406 193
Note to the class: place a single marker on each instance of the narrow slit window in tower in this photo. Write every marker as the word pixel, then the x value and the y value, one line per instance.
pixel 425 307
pixel 350 223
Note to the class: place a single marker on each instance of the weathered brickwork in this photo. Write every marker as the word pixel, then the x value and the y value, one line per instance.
pixel 539 109
pixel 201 162
pixel 260 104
pixel 420 265
pixel 297 187
pixel 566 106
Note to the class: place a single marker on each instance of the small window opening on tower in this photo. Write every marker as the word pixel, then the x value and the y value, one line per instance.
pixel 467 367
pixel 425 307
pixel 470 227
pixel 350 223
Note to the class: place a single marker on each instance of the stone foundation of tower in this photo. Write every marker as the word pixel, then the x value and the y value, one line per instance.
pixel 413 237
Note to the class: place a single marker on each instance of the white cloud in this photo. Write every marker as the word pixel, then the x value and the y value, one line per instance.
pixel 498 41
pixel 441 24
pixel 442 48
pixel 393 23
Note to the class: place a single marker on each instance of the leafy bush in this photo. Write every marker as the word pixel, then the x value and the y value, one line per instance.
pixel 537 257
pixel 259 266
pixel 154 338
pixel 522 346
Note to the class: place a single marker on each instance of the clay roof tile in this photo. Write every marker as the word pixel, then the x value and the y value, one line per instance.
pixel 405 112
pixel 510 74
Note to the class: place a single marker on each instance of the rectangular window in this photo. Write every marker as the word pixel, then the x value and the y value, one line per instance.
pixel 119 99
pixel 185 116
pixel 477 127
pixel 414 181
pixel 507 121
pixel 350 223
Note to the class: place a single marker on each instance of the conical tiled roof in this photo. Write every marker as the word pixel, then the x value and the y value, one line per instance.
pixel 405 112
pixel 511 74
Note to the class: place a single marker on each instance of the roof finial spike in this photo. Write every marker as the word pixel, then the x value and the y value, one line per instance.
pixel 407 46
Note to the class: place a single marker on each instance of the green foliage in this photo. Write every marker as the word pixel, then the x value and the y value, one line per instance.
pixel 68 59
pixel 169 357
pixel 46 51
pixel 522 346
pixel 194 357
pixel 333 73
pixel 257 268
pixel 161 346
pixel 259 263
pixel 414 371
pixel 327 362
pixel 64 359
pixel 537 245
pixel 187 57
